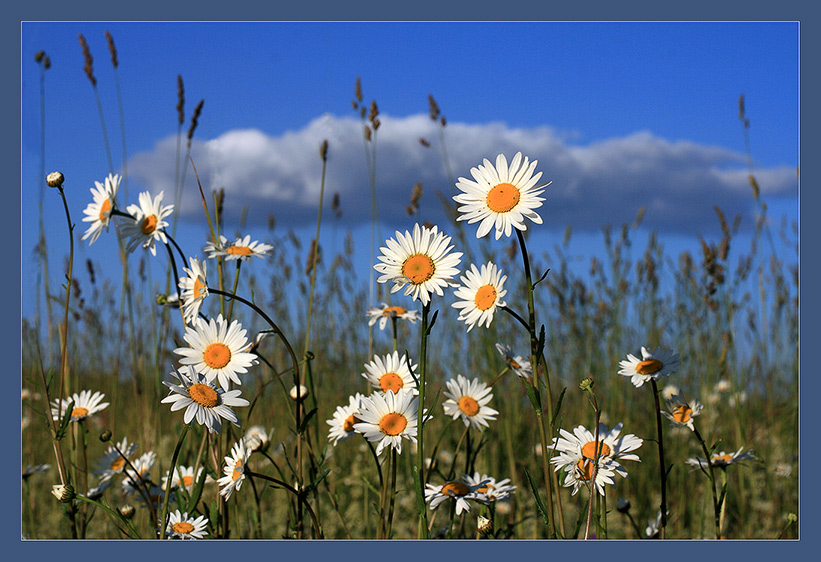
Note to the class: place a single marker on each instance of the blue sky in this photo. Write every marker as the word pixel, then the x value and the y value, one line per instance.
pixel 619 116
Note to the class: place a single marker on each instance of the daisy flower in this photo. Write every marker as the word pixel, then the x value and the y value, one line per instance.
pixel 148 223
pixel 722 459
pixel 480 295
pixel 516 363
pixel 202 399
pixel 242 249
pixel 654 526
pixel 682 412
pixel 97 491
pixel 140 473
pixel 257 438
pixel 115 459
pixel 388 418
pixel 85 404
pixel 501 197
pixel 488 489
pixel 29 470
pixel 184 477
pixel 218 350
pixel 98 213
pixel 382 315
pixel 613 447
pixel 390 372
pixel 194 289
pixel 344 419
pixel 234 469
pixel 184 527
pixel 460 491
pixel 580 470
pixel 652 365
pixel 467 399
pixel 421 262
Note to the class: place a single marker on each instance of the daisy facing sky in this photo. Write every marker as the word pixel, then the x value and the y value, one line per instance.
pixel 682 412
pixel 202 400
pixel 242 249
pixel 459 490
pixel 193 289
pixel 501 197
pixel 516 363
pixel 385 312
pixel 148 224
pixel 85 404
pixel 98 213
pixel 468 399
pixel 722 459
pixel 181 526
pixel 234 469
pixel 389 418
pixel 420 262
pixel 652 365
pixel 390 372
pixel 114 460
pixel 480 295
pixel 217 349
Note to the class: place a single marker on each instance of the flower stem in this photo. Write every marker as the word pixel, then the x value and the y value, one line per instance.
pixel 419 469
pixel 711 474
pixel 169 481
pixel 662 467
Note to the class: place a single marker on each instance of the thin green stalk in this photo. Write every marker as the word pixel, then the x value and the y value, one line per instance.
pixel 712 476
pixel 164 520
pixel 419 469
pixel 662 467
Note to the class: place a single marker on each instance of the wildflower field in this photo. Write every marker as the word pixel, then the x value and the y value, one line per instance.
pixel 470 384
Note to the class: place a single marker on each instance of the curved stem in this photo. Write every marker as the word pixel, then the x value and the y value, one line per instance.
pixel 300 497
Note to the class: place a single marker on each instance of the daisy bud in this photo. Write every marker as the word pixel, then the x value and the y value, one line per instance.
pixel 38 56
pixel 586 384
pixel 105 436
pixel 623 505
pixel 484 525
pixel 63 492
pixel 55 179
pixel 127 511
pixel 302 392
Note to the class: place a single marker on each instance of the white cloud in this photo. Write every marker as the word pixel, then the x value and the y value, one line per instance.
pixel 593 185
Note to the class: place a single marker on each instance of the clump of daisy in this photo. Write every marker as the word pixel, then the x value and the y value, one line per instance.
pixel 98 213
pixel 722 459
pixel 148 224
pixel 202 400
pixel 488 489
pixel 420 262
pixel 480 295
pixel 241 249
pixel 458 490
pixel 653 365
pixel 86 404
pixel 682 412
pixel 387 419
pixel 181 526
pixel 344 418
pixel 217 350
pixel 501 197
pixel 114 460
pixel 384 312
pixel 468 399
pixel 194 289
pixel 516 363
pixel 234 469
pixel 390 372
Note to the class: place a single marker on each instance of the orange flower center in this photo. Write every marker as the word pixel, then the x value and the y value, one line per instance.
pixel 469 406
pixel 149 224
pixel 722 459
pixel 455 489
pixel 391 381
pixel 105 209
pixel 682 413
pixel 239 251
pixel 393 311
pixel 586 468
pixel 589 450
pixel 512 362
pixel 348 425
pixel 393 424
pixel 203 395
pixel 199 288
pixel 238 470
pixel 217 355
pixel 79 412
pixel 485 297
pixel 418 268
pixel 485 489
pixel 118 464
pixel 503 198
pixel 183 527
pixel 649 367
pixel 187 481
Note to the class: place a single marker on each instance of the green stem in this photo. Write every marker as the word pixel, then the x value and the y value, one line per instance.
pixel 419 469
pixel 662 467
pixel 712 476
pixel 168 486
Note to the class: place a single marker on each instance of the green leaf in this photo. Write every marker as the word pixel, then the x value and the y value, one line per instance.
pixel 537 497
pixel 304 424
pixel 558 407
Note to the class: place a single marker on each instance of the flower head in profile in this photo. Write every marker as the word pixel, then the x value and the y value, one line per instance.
pixel 257 438
pixel 181 526
pixel 98 213
pixel 86 404
pixel 501 197
pixel 420 262
pixel 217 349
pixel 652 365
pixel 383 313
pixel 480 295
pixel 194 289
pixel 138 473
pixel 390 372
pixel 387 419
pixel 202 400
pixel 458 490
pixel 242 249
pixel 682 412
pixel 468 399
pixel 234 469
pixel 722 459
pixel 184 477
pixel 488 489
pixel 148 224
pixel 516 363
pixel 114 460
pixel 344 419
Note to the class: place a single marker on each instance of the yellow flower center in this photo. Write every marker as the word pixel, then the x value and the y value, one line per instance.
pixel 586 468
pixel 485 489
pixel 203 395
pixel 418 268
pixel 393 311
pixel 485 297
pixel 149 224
pixel 469 406
pixel 217 355
pixel 682 413
pixel 719 460
pixel 199 288
pixel 649 367
pixel 105 209
pixel 239 251
pixel 453 489
pixel 79 412
pixel 183 527
pixel 589 450
pixel 238 470
pixel 391 381
pixel 512 362
pixel 503 197
pixel 348 424
pixel 118 464
pixel 393 424
pixel 187 481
